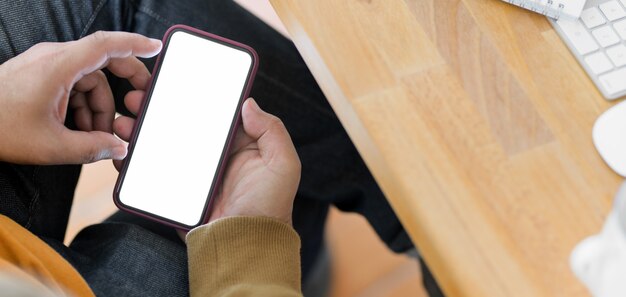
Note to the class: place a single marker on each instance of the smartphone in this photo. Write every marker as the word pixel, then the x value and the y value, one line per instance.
pixel 181 140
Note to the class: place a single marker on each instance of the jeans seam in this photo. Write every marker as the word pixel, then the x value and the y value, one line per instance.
pixel 92 18
pixel 35 200
pixel 152 14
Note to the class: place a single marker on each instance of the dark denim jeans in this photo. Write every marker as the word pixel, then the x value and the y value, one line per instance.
pixel 128 256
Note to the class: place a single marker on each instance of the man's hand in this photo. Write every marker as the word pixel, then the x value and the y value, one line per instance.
pixel 38 86
pixel 264 169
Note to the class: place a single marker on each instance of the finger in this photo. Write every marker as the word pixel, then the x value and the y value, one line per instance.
pixel 132 69
pixel 123 127
pixel 118 164
pixel 94 51
pixel 242 141
pixel 79 147
pixel 133 101
pixel 182 234
pixel 274 142
pixel 99 99
pixel 82 114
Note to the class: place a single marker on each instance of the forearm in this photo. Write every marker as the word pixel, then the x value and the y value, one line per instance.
pixel 244 256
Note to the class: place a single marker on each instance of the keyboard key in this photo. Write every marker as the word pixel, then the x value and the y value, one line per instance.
pixel 599 63
pixel 592 17
pixel 620 27
pixel 578 35
pixel 617 55
pixel 606 36
pixel 615 81
pixel 613 10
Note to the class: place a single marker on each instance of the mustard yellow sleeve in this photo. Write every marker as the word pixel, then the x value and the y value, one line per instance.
pixel 244 256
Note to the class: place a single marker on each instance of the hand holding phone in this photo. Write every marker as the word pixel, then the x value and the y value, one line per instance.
pixel 187 128
pixel 264 170
pixel 263 174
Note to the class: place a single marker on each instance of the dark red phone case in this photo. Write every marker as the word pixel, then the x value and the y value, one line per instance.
pixel 233 129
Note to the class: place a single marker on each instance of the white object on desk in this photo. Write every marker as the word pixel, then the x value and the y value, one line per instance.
pixel 609 137
pixel 598 41
pixel 552 8
pixel 600 261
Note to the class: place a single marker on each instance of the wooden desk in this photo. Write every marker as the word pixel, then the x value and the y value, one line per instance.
pixel 476 121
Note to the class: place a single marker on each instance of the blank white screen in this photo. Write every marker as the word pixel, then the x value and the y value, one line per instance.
pixel 186 125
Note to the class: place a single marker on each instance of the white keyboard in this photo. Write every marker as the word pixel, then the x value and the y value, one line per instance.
pixel 598 40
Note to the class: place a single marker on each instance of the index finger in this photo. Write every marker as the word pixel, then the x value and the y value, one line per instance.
pixel 94 52
pixel 132 69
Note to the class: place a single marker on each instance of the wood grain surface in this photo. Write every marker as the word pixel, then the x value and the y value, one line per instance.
pixel 476 121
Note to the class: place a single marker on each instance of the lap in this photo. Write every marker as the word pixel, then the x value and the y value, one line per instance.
pixel 333 172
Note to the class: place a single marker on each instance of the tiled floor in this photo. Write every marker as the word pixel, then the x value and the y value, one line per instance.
pixel 361 265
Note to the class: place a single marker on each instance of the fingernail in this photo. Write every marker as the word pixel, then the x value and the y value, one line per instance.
pixel 118 153
pixel 157 44
pixel 254 105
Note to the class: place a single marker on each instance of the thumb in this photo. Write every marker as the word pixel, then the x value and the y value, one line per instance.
pixel 272 138
pixel 88 147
